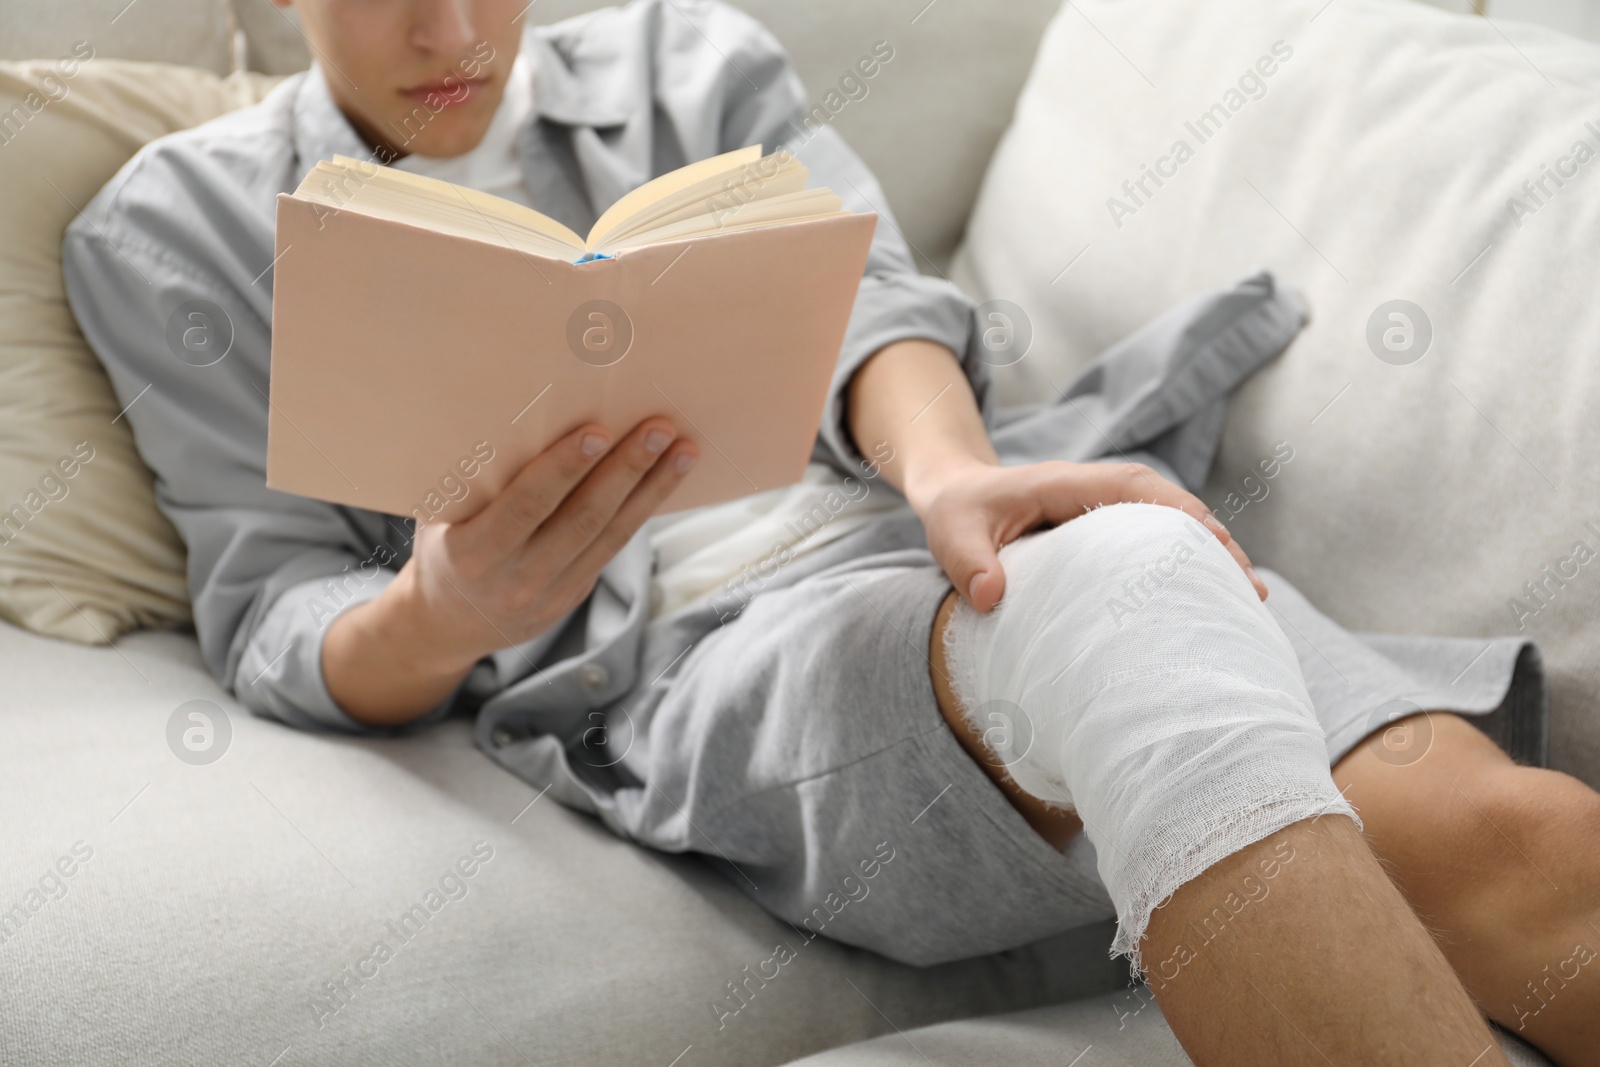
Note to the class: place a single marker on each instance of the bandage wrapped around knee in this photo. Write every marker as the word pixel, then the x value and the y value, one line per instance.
pixel 1132 674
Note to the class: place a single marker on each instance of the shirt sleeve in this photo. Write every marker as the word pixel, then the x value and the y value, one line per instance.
pixel 765 102
pixel 180 317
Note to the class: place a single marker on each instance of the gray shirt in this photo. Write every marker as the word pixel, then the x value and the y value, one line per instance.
pixel 191 219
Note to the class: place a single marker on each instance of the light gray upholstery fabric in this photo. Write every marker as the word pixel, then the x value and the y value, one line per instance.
pixel 926 125
pixel 192 32
pixel 1122 1029
pixel 217 902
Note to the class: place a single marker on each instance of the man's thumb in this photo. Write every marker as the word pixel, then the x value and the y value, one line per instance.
pixel 981 579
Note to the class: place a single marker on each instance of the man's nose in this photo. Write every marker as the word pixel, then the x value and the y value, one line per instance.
pixel 447 26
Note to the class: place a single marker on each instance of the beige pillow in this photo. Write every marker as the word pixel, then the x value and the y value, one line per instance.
pixel 1382 158
pixel 84 554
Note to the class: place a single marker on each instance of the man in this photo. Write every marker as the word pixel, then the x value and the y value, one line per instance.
pixel 864 705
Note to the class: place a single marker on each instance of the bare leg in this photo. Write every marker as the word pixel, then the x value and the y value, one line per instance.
pixel 1503 864
pixel 1323 962
pixel 1329 964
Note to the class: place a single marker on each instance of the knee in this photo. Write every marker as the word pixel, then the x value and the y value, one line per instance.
pixel 1131 601
pixel 1133 648
pixel 1156 693
pixel 1143 587
pixel 1536 839
pixel 1544 811
pixel 1139 537
pixel 1124 558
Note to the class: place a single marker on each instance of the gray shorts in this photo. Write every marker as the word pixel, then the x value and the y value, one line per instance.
pixel 801 749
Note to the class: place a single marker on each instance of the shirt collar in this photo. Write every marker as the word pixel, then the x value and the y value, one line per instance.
pixel 580 81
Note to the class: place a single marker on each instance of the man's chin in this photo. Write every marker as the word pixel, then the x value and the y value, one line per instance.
pixel 445 136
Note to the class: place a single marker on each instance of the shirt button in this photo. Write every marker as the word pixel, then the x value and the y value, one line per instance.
pixel 501 737
pixel 594 676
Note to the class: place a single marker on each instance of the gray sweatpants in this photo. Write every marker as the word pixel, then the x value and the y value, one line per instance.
pixel 800 748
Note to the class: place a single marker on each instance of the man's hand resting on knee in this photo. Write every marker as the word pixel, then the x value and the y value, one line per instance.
pixel 504 576
pixel 914 396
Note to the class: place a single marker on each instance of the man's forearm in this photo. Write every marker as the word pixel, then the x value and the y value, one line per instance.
pixel 913 396
pixel 380 669
pixel 505 576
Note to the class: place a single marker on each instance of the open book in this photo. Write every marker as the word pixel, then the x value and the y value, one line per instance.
pixel 740 190
pixel 420 327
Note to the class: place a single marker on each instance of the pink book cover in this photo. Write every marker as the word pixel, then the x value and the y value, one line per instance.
pixel 415 372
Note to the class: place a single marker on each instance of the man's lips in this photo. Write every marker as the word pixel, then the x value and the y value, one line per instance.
pixel 452 92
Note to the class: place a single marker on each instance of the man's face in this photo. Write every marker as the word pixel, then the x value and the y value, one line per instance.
pixel 415 76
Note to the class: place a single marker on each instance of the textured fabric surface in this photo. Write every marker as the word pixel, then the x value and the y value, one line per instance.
pixel 1132 674
pixel 219 901
pixel 1385 159
pixel 721 553
pixel 213 910
pixel 802 751
pixel 193 33
pixel 85 555
pixel 1122 1029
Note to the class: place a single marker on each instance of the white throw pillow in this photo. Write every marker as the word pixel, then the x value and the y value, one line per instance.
pixel 1368 151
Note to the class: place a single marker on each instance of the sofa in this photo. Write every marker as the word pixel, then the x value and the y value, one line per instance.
pixel 251 894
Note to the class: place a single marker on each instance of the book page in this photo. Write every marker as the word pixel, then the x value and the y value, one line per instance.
pixel 737 190
pixel 667 185
pixel 718 196
pixel 793 207
pixel 414 198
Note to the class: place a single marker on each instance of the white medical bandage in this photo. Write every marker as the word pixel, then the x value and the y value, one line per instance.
pixel 1132 673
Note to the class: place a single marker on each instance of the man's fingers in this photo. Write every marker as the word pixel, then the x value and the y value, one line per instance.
pixel 986 588
pixel 1214 524
pixel 1130 483
pixel 640 506
pixel 642 503
pixel 1236 550
pixel 589 509
pixel 971 560
pixel 538 489
pixel 1194 507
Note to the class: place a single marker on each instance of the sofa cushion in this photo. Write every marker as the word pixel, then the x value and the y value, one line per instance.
pixel 1369 152
pixel 1122 1028
pixel 84 554
pixel 224 884
pixel 191 32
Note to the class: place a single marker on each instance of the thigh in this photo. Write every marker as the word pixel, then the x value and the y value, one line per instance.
pixel 1500 860
pixel 802 751
pixel 1421 786
pixel 1056 825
